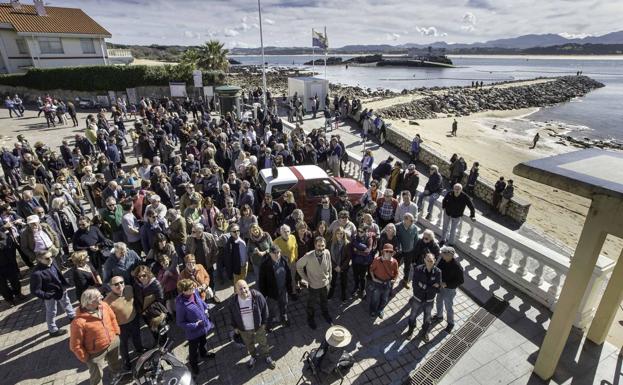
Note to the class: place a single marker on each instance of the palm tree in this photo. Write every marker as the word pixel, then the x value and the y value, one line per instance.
pixel 211 56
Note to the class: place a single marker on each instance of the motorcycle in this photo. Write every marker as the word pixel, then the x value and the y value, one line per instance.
pixel 159 366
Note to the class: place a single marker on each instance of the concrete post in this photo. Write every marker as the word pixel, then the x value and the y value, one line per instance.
pixel 608 306
pixel 580 273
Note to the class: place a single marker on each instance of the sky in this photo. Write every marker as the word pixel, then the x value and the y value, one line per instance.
pixel 288 23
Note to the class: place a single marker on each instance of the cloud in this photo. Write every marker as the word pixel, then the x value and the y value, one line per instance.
pixel 464 21
pixel 230 32
pixel 392 36
pixel 567 35
pixel 192 35
pixel 430 31
pixel 469 22
pixel 484 4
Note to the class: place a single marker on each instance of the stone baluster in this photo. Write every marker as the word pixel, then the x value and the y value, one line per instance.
pixel 523 264
pixel 508 255
pixel 554 289
pixel 538 274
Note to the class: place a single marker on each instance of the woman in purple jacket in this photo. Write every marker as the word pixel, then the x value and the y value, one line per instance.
pixel 192 317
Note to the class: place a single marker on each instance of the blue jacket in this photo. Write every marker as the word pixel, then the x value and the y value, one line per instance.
pixel 260 310
pixel 47 282
pixel 148 232
pixel 434 184
pixel 112 153
pixel 114 266
pixel 423 281
pixel 187 313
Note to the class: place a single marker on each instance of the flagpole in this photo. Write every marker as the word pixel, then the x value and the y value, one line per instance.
pixel 325 52
pixel 313 55
pixel 259 10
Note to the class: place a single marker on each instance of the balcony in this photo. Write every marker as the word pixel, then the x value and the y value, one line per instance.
pixel 120 56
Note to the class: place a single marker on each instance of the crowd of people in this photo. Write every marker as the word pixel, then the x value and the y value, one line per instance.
pixel 149 244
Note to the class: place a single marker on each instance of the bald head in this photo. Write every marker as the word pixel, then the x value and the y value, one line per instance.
pixel 242 289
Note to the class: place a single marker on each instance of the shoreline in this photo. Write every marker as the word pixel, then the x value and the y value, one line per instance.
pixel 557 214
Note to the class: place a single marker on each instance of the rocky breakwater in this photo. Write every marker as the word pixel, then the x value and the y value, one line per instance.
pixel 466 101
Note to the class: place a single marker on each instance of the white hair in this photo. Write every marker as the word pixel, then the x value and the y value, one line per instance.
pixel 121 246
pixel 284 228
pixel 89 295
pixel 430 233
pixel 198 227
pixel 57 203
pixel 434 168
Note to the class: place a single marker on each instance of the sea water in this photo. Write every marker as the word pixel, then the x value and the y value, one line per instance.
pixel 598 115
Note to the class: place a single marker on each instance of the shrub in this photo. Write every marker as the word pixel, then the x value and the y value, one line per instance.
pixel 107 78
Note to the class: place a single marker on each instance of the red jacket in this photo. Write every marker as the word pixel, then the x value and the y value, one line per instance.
pixel 90 335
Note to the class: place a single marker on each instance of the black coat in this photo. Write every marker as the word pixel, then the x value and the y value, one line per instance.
pixel 267 282
pixel 260 310
pixel 47 282
pixel 451 273
pixel 318 218
pixel 231 251
pixel 455 206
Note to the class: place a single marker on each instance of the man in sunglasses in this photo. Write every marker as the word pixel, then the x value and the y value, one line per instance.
pixel 236 257
pixel 121 301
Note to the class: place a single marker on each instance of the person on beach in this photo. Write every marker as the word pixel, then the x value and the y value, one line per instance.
pixel 455 126
pixel 535 140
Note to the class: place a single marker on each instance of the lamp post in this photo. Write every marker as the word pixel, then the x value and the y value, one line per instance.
pixel 259 10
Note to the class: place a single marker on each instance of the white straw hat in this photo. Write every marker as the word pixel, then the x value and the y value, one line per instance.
pixel 338 336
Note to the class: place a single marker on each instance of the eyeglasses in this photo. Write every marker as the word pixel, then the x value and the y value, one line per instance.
pixel 118 283
pixel 235 231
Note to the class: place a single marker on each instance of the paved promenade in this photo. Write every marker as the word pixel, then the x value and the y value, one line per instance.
pixel 503 353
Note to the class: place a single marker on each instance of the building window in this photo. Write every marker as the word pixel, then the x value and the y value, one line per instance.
pixel 87 45
pixel 50 45
pixel 22 47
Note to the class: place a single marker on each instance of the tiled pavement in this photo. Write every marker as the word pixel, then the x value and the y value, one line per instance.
pixel 503 355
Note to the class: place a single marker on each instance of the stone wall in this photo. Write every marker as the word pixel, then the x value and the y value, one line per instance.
pixel 29 95
pixel 517 208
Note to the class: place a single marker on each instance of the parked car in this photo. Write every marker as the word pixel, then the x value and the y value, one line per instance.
pixel 308 184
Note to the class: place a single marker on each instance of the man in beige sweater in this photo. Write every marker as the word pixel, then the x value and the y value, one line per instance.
pixel 315 268
pixel 121 301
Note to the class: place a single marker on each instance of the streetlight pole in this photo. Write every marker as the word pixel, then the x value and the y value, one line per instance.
pixel 259 10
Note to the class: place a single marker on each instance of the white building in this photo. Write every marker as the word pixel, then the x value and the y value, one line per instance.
pixel 38 36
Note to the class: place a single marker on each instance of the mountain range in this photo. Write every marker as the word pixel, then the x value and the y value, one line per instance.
pixel 515 43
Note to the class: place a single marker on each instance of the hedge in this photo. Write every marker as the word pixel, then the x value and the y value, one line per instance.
pixel 107 78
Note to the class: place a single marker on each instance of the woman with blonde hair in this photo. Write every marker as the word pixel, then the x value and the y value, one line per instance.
pixel 340 261
pixel 83 273
pixel 196 273
pixel 289 204
pixel 258 246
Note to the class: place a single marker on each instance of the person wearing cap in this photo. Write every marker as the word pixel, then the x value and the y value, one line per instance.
pixel 453 205
pixel 451 279
pixel 275 282
pixel 426 285
pixel 249 316
pixel 315 268
pixel 48 283
pixel 39 237
pixel 383 273
pixel 386 208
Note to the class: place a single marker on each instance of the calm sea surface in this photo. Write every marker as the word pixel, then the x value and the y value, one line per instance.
pixel 599 114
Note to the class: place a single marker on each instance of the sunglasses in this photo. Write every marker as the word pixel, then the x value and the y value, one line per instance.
pixel 118 283
pixel 235 231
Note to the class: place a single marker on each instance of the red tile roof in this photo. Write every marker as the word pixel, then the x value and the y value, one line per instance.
pixel 57 20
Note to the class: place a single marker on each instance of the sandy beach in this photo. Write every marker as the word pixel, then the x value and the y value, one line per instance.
pixel 559 215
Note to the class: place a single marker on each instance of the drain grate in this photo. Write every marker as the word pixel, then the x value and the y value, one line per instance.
pixel 440 363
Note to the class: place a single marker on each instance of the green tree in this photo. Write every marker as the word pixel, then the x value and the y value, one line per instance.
pixel 211 56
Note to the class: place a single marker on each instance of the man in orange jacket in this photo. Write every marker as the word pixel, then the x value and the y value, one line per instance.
pixel 94 336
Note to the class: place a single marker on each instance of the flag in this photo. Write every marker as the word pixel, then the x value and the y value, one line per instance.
pixel 319 40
